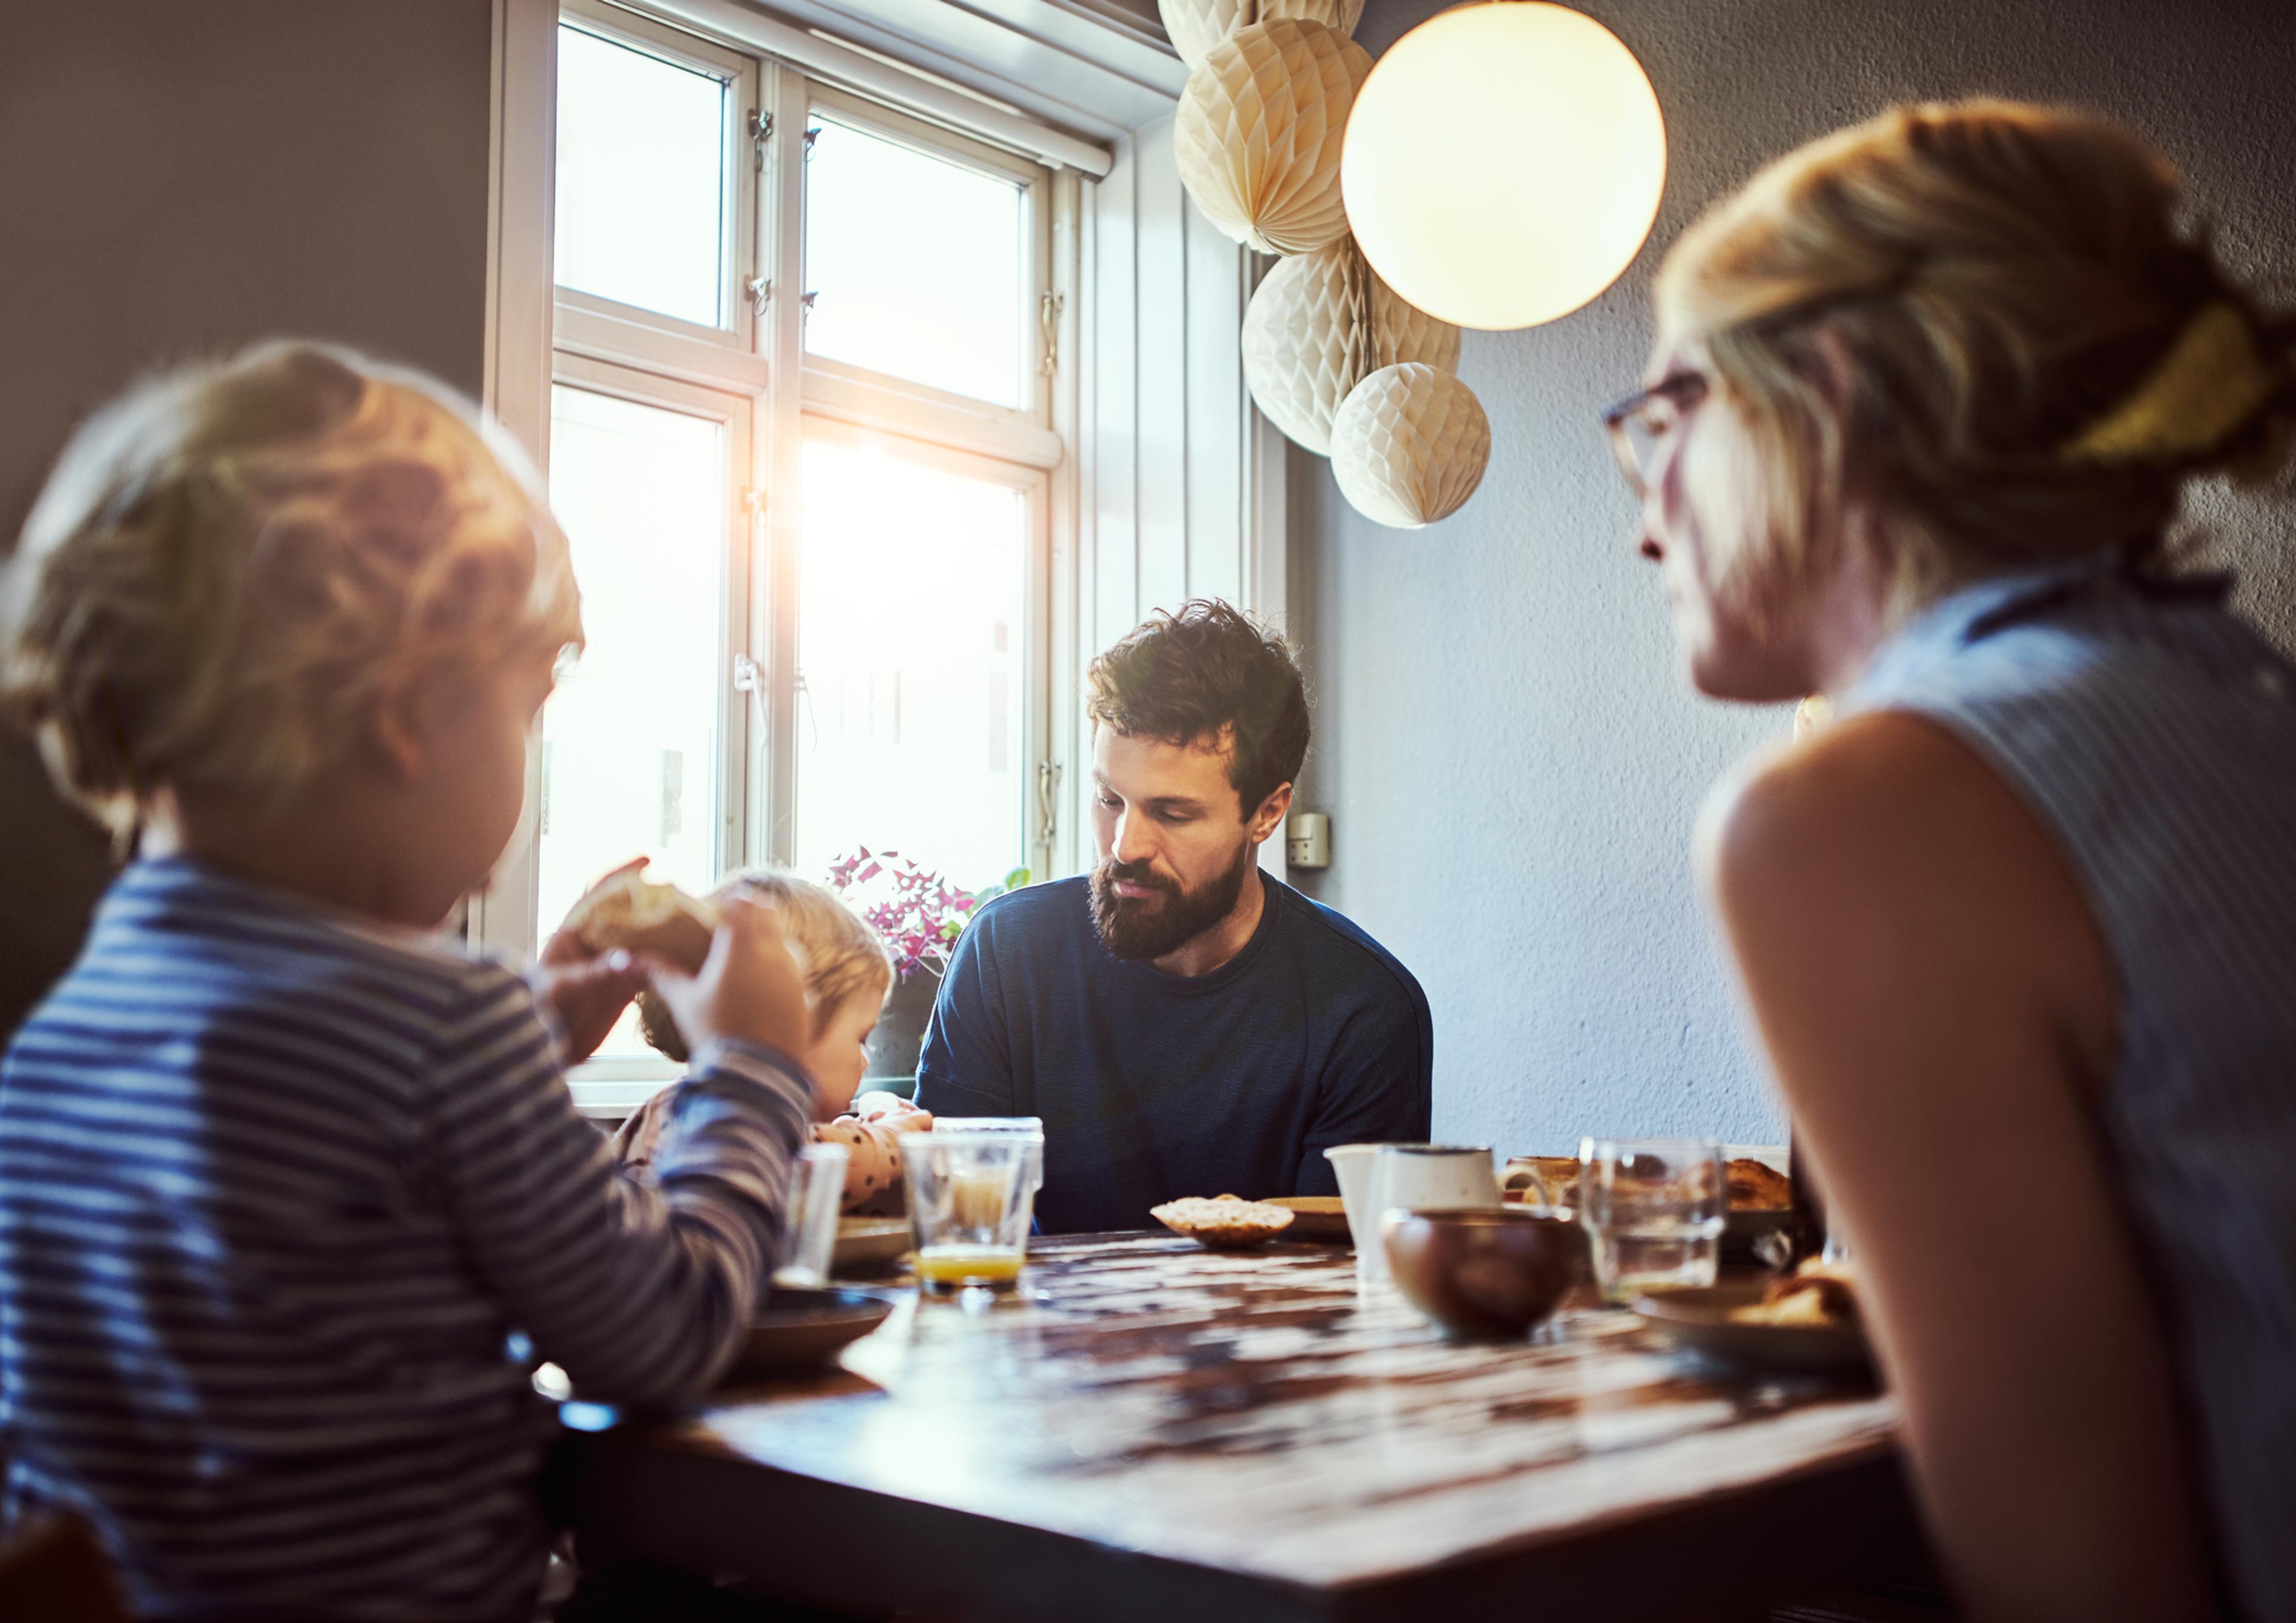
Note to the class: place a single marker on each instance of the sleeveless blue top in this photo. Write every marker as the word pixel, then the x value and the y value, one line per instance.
pixel 2153 735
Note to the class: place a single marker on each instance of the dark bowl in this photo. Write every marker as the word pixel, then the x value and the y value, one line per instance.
pixel 795 1329
pixel 1486 1272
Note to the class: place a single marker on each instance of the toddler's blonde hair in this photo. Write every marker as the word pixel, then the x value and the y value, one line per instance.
pixel 844 958
pixel 233 560
pixel 2034 356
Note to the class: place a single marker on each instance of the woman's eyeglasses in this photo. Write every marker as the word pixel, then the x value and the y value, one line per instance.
pixel 1640 423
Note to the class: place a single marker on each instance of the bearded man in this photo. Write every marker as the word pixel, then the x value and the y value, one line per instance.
pixel 1183 1023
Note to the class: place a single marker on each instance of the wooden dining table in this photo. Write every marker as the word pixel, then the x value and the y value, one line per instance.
pixel 1150 1430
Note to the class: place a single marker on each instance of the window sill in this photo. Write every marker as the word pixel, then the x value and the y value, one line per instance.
pixel 611 1089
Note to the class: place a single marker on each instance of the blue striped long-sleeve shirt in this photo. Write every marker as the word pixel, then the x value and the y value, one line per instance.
pixel 278 1194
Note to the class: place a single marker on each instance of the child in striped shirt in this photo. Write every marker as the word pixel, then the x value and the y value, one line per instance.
pixel 291 1198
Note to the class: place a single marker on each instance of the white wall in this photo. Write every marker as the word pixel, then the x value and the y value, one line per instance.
pixel 1512 764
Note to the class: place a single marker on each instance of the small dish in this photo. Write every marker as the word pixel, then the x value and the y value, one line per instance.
pixel 870 1245
pixel 794 1331
pixel 1698 1319
pixel 1481 1272
pixel 1313 1217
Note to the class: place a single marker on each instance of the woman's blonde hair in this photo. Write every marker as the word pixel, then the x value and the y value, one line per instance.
pixel 231 561
pixel 844 958
pixel 1983 318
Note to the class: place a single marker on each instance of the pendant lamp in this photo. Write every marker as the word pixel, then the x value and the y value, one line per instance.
pixel 1504 163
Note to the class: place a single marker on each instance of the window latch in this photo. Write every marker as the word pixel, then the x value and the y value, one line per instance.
pixel 761 130
pixel 1048 316
pixel 1048 805
pixel 761 294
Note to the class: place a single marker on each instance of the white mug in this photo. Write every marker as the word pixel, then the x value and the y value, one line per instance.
pixel 1431 1177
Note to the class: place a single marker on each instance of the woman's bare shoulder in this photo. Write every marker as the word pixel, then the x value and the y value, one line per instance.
pixel 1890 841
pixel 1869 780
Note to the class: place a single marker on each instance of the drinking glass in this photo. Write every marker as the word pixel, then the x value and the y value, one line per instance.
pixel 1652 1209
pixel 972 1193
pixel 809 1237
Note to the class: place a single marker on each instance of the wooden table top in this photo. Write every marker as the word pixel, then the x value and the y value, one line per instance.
pixel 1253 1415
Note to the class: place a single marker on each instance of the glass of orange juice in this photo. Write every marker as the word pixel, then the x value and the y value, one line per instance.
pixel 972 1194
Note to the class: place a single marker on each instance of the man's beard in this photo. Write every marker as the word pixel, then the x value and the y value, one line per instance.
pixel 1152 926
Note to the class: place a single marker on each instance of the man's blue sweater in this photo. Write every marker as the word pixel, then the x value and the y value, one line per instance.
pixel 1152 1087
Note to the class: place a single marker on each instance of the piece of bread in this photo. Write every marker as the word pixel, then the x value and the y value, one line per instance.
pixel 630 911
pixel 1759 1186
pixel 1225 1223
pixel 1818 1293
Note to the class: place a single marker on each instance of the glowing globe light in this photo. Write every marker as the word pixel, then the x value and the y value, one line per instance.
pixel 1504 163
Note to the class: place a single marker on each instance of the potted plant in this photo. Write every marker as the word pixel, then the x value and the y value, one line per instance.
pixel 919 915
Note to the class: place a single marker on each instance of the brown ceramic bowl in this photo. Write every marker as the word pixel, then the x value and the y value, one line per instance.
pixel 1484 1272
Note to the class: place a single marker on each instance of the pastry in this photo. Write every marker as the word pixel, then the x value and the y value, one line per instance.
pixel 630 911
pixel 1816 1293
pixel 1225 1223
pixel 1759 1186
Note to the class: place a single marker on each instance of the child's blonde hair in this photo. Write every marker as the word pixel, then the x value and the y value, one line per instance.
pixel 231 561
pixel 1986 318
pixel 844 958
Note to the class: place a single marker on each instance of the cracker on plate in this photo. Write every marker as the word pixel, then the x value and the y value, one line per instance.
pixel 1225 1223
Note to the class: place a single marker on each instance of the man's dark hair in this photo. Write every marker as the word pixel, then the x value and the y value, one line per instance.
pixel 1209 675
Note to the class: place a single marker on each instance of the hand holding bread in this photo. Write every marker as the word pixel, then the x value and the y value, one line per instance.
pixel 719 972
pixel 750 989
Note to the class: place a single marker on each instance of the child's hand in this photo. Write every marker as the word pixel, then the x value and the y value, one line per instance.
pixel 584 992
pixel 892 1111
pixel 749 989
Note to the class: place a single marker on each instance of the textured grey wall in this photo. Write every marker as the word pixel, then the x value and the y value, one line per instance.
pixel 176 180
pixel 1512 765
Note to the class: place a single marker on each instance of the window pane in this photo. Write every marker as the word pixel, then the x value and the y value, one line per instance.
pixel 915 265
pixel 641 187
pixel 909 735
pixel 631 742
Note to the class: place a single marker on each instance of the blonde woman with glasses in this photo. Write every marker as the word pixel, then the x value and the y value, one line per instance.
pixel 2019 927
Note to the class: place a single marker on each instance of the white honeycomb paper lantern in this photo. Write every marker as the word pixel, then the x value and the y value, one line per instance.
pixel 1316 325
pixel 1409 446
pixel 1401 332
pixel 1341 14
pixel 1308 341
pixel 1260 131
pixel 1195 26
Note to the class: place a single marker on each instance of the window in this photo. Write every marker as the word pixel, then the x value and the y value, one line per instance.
pixel 801 440
pixel 914 266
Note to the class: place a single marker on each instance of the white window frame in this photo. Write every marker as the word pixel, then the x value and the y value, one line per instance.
pixel 752 373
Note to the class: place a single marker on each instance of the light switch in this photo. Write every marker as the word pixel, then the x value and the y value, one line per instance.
pixel 1309 844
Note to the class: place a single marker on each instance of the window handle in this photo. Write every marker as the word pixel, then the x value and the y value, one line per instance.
pixel 761 294
pixel 1049 307
pixel 1048 805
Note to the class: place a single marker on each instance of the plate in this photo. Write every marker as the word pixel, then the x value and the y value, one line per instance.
pixel 870 1245
pixel 1699 1320
pixel 1314 1217
pixel 795 1331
